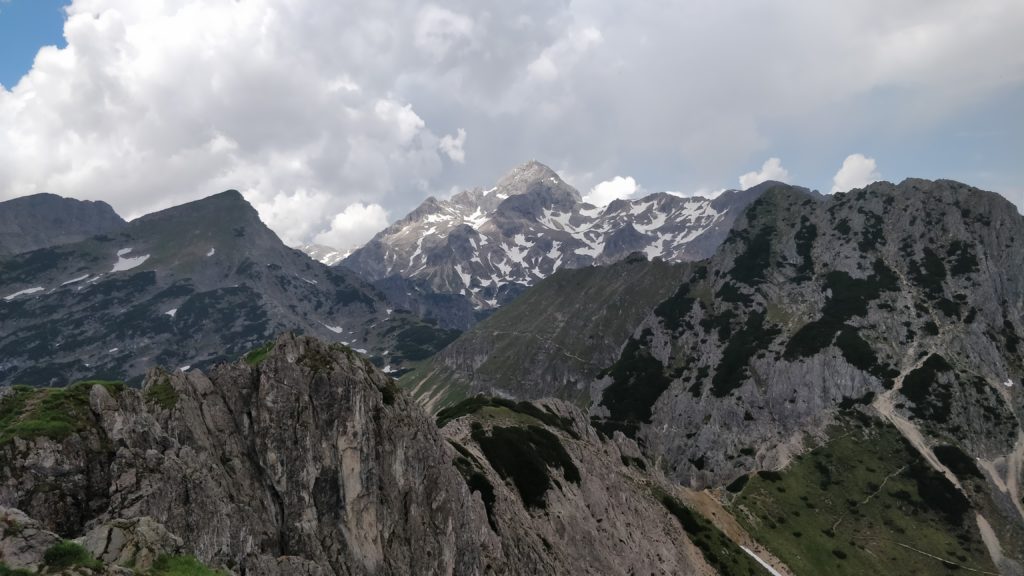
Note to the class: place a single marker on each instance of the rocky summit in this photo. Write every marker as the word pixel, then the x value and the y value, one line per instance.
pixel 42 220
pixel 489 245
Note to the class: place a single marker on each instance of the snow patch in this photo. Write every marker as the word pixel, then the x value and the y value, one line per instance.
pixel 387 369
pixel 75 280
pixel 124 264
pixel 477 218
pixel 185 368
pixel 171 312
pixel 112 350
pixel 211 252
pixel 361 350
pixel 24 293
pixel 763 564
pixel 465 277
pixel 1008 383
pixel 555 252
pixel 335 329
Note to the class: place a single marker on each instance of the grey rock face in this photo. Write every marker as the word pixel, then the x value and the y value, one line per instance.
pixel 811 303
pixel 488 245
pixel 123 547
pixel 189 286
pixel 43 220
pixel 22 540
pixel 135 542
pixel 312 462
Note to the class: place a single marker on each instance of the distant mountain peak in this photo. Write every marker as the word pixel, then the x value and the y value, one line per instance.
pixel 488 245
pixel 522 177
pixel 43 220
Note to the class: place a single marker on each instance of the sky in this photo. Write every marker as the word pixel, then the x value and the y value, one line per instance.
pixel 336 117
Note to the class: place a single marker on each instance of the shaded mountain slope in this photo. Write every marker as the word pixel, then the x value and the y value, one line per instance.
pixel 553 340
pixel 42 220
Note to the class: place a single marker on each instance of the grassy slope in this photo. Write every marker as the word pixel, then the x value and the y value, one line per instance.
pixel 575 320
pixel 52 412
pixel 858 505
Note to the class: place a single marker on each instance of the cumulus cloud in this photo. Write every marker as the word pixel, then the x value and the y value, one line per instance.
pixel 301 103
pixel 609 190
pixel 564 53
pixel 771 170
pixel 857 171
pixel 452 146
pixel 154 104
pixel 354 226
pixel 438 30
pixel 699 193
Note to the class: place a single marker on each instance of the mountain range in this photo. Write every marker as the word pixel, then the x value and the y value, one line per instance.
pixel 489 245
pixel 891 314
pixel 185 287
pixel 770 382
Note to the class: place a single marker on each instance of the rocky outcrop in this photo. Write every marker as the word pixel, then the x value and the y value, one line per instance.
pixel 43 220
pixel 310 461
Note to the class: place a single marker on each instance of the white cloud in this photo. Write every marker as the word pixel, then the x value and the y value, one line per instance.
pixel 564 53
pixel 438 30
pixel 354 226
pixel 700 192
pixel 771 170
pixel 156 103
pixel 857 171
pixel 609 190
pixel 453 146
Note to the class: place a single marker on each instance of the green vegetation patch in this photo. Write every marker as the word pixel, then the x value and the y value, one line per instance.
pixel 55 413
pixel 850 298
pixel 804 239
pixel 477 403
pixel 161 393
pixel 257 356
pixel 751 265
pixel 6 571
pixel 422 341
pixel 719 551
pixel 929 274
pixel 733 368
pixel 66 554
pixel 525 455
pixel 638 380
pixel 963 259
pixel 673 311
pixel 931 398
pixel 471 471
pixel 167 565
pixel 863 503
